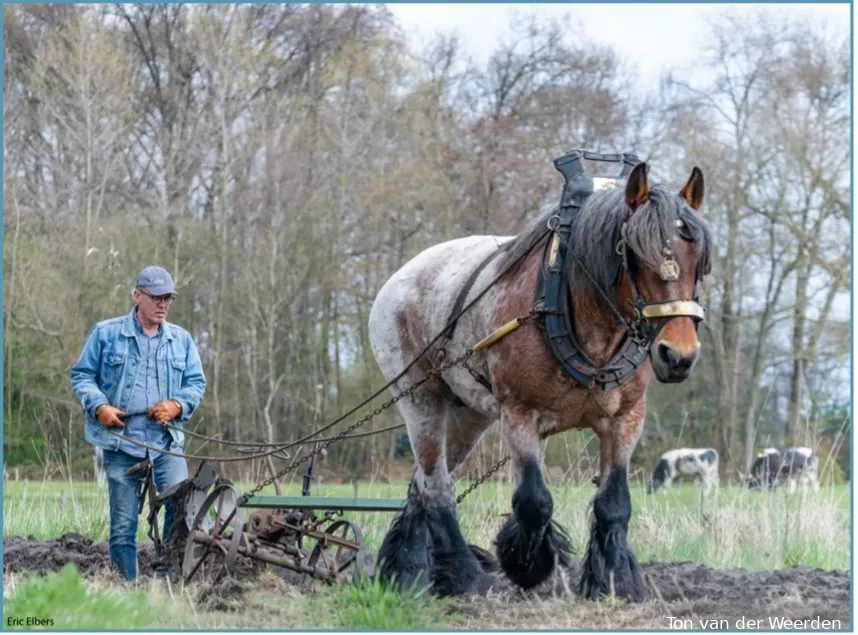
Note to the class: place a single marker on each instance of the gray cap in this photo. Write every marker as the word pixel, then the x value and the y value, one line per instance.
pixel 155 280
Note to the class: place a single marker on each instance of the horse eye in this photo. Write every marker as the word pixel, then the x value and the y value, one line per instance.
pixel 682 230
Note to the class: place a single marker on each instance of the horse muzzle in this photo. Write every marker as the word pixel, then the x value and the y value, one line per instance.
pixel 669 365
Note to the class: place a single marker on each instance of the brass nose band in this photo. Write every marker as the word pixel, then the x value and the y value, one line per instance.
pixel 677 308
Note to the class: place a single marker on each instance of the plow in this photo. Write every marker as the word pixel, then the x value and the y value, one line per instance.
pixel 216 526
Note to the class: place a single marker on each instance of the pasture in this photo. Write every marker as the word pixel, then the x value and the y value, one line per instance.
pixel 742 530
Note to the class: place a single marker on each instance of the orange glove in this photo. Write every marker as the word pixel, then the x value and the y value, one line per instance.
pixel 164 411
pixel 108 416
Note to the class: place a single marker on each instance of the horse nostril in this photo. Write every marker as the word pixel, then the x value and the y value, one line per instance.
pixel 666 354
pixel 673 360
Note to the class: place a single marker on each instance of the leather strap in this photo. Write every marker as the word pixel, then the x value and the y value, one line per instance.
pixel 455 314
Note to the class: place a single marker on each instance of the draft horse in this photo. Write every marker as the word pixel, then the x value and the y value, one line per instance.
pixel 634 255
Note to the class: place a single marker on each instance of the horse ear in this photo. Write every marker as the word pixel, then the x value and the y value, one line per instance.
pixel 637 187
pixel 693 190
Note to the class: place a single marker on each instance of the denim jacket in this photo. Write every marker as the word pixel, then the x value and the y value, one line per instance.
pixel 107 367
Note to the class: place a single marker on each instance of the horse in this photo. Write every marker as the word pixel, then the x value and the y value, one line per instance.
pixel 698 463
pixel 635 256
pixel 797 466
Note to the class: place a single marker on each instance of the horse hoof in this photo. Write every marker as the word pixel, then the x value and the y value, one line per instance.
pixel 629 588
pixel 528 559
pixel 404 558
pixel 623 580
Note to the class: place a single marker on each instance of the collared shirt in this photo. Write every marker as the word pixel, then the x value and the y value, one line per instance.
pixel 144 395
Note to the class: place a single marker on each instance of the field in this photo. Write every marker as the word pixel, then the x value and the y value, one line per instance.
pixel 751 555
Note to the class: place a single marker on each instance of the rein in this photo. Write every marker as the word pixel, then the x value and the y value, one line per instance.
pixel 244 448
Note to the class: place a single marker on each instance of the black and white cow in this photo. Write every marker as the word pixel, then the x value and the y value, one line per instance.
pixel 98 465
pixel 697 463
pixel 798 467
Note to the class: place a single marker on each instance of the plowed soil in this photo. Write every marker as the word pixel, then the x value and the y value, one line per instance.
pixel 692 594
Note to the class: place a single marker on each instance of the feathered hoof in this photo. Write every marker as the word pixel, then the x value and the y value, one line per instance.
pixel 622 578
pixel 529 557
pixel 405 559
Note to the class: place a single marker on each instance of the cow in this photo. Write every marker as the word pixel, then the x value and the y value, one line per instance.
pixel 798 467
pixel 698 463
pixel 98 465
pixel 764 470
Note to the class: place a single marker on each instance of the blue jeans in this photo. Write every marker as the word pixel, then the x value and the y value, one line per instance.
pixel 124 503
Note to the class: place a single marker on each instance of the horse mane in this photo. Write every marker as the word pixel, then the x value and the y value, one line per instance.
pixel 596 230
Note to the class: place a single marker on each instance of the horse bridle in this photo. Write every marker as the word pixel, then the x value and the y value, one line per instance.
pixel 641 328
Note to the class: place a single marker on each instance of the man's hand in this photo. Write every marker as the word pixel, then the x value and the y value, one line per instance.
pixel 108 416
pixel 164 411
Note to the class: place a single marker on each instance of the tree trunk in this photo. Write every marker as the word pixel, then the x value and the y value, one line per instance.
pixel 795 429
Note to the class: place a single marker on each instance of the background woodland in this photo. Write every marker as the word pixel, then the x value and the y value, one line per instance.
pixel 283 160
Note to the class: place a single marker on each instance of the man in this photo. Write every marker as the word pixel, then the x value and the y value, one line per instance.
pixel 137 372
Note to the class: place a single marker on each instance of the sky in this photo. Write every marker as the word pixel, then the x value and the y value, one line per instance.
pixel 653 36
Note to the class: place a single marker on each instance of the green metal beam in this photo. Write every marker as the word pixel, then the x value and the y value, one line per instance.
pixel 325 502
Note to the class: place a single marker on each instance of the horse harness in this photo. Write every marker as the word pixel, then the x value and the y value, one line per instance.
pixel 552 309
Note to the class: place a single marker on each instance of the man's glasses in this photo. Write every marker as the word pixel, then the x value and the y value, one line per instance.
pixel 159 299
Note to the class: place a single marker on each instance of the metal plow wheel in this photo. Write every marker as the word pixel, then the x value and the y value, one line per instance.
pixel 339 551
pixel 218 527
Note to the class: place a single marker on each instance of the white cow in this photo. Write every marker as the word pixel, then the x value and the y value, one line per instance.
pixel 697 463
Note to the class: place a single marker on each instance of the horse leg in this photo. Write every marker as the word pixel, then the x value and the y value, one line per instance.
pixel 405 556
pixel 425 546
pixel 457 570
pixel 464 429
pixel 609 566
pixel 529 544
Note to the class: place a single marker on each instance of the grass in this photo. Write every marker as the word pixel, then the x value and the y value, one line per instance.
pixel 744 529
pixel 65 600
pixel 62 600
pixel 369 604
pixel 757 531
